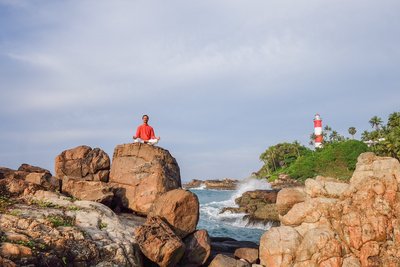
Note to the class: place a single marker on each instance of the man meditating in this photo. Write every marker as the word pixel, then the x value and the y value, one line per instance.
pixel 145 133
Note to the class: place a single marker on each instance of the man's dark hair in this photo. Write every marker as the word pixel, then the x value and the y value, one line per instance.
pixel 146 116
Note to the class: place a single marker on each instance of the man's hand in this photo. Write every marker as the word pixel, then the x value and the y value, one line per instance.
pixel 134 137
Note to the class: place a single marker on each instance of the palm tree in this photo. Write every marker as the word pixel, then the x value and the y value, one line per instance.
pixel 352 132
pixel 365 136
pixel 394 120
pixel 375 122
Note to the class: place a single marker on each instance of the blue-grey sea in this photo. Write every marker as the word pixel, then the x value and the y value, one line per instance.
pixel 228 224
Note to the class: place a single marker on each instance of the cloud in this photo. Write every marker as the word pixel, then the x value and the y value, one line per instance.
pixel 210 74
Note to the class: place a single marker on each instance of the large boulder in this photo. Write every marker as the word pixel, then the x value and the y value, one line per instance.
pixel 223 261
pixel 159 243
pixel 83 163
pixel 198 249
pixel 88 190
pixel 289 196
pixel 140 173
pixel 278 246
pixel 180 208
pixel 248 254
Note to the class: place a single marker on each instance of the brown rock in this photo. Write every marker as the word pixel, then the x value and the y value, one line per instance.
pixel 159 243
pixel 248 254
pixel 198 249
pixel 12 251
pixel 225 184
pixel 6 173
pixel 223 261
pixel 287 197
pixel 83 162
pixel 325 187
pixel 278 246
pixel 308 211
pixel 88 190
pixel 6 263
pixel 193 184
pixel 285 181
pixel 180 208
pixel 140 173
pixel 320 247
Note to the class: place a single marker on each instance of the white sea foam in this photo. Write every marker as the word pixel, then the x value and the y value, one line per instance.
pixel 201 187
pixel 211 211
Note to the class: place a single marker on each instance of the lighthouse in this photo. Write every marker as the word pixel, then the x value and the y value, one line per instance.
pixel 318 131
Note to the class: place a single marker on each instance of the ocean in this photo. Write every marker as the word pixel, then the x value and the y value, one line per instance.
pixel 229 224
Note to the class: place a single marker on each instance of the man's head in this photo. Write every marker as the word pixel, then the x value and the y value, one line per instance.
pixel 145 118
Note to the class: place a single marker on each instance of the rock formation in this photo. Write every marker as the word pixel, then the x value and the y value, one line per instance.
pixel 32 174
pixel 43 228
pixel 179 208
pixel 341 224
pixel 159 243
pixel 83 163
pixel 140 173
pixel 258 204
pixel 84 172
pixel 225 184
pixel 284 181
pixel 198 249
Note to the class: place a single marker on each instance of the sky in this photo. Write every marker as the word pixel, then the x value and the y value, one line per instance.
pixel 221 80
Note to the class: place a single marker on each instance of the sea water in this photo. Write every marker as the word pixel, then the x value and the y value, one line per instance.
pixel 229 224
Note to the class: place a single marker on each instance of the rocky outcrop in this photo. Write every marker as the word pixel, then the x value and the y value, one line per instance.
pixel 289 196
pixel 159 243
pixel 34 175
pixel 285 181
pixel 83 163
pixel 193 184
pixel 43 228
pixel 340 224
pixel 222 261
pixel 258 204
pixel 180 208
pixel 198 249
pixel 225 184
pixel 140 173
pixel 248 254
pixel 88 190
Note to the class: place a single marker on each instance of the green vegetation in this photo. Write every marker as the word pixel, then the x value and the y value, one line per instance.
pixel 102 225
pixel 61 220
pixel 338 156
pixel 73 208
pixel 5 203
pixel 279 157
pixel 44 204
pixel 334 160
pixel 384 139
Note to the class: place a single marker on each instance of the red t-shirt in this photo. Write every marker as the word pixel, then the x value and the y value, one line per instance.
pixel 145 132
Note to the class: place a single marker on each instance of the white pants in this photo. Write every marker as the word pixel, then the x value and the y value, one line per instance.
pixel 150 142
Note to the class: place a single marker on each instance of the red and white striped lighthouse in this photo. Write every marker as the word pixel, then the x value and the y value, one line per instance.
pixel 318 131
